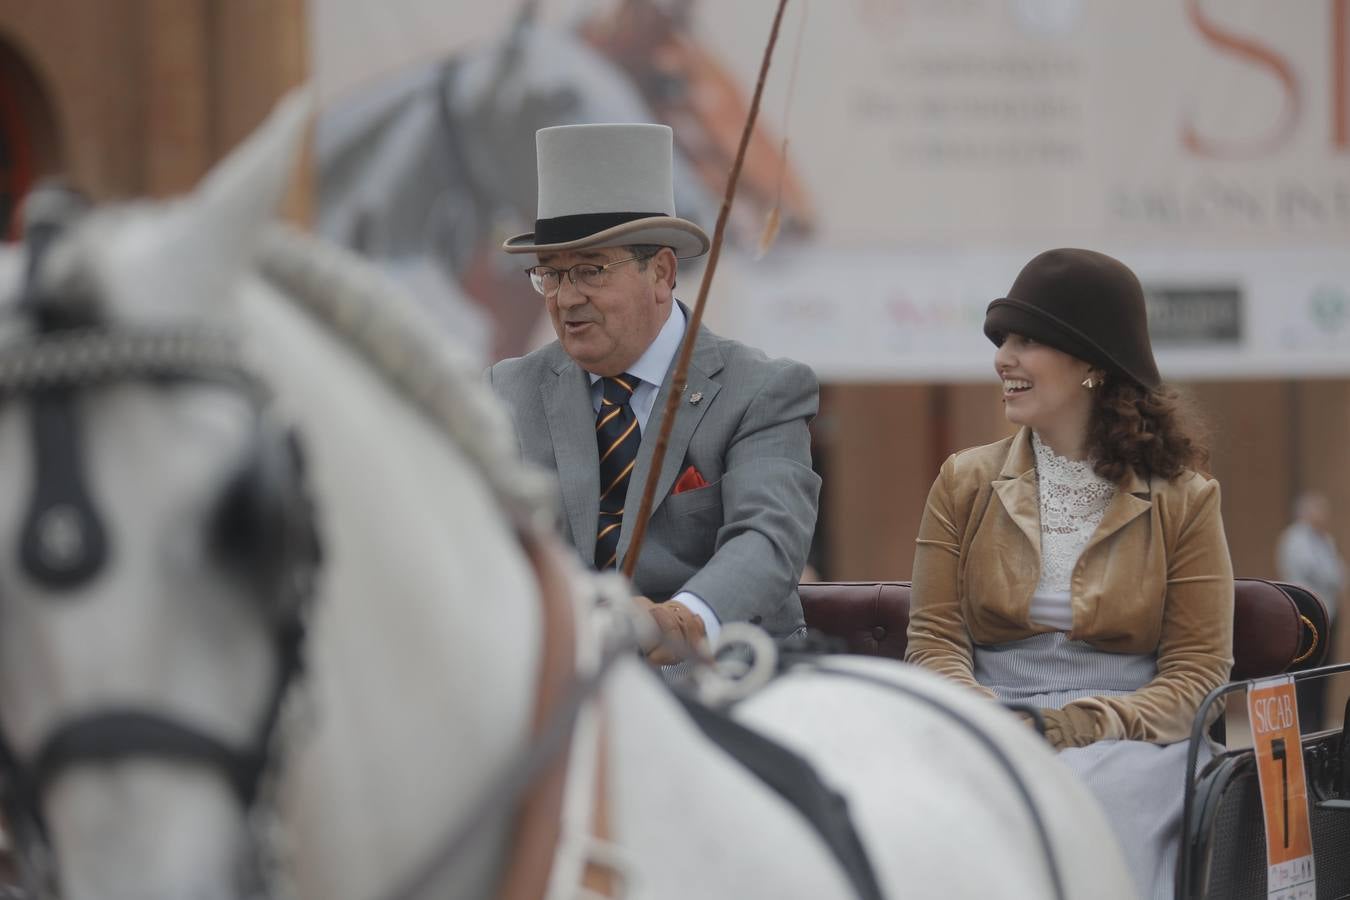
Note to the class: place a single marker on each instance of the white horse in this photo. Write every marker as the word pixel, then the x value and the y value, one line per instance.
pixel 155 555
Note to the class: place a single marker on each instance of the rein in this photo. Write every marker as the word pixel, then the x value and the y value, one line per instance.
pixel 811 661
pixel 533 781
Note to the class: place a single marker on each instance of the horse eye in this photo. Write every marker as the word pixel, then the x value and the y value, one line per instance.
pixel 245 529
pixel 262 516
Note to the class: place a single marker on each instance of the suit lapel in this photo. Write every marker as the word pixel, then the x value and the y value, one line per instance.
pixel 1131 501
pixel 1017 491
pixel 571 425
pixel 706 362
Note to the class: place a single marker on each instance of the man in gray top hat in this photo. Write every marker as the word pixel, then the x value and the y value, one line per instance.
pixel 735 502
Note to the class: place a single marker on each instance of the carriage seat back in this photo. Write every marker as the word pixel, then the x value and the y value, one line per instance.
pixel 1277 627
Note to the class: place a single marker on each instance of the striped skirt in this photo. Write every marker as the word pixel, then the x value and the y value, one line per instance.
pixel 1138 784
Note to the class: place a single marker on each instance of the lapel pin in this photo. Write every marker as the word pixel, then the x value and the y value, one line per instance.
pixel 695 397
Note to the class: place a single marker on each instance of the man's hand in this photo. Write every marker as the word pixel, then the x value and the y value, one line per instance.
pixel 682 632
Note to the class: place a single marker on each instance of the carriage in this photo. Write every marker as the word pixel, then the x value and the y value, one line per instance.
pixel 1279 629
pixel 342 560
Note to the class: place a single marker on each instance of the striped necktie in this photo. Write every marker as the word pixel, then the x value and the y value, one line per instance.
pixel 616 437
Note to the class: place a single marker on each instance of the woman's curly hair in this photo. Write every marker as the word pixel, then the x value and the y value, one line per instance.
pixel 1150 431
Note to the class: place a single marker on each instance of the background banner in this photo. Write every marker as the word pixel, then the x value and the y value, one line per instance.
pixel 933 147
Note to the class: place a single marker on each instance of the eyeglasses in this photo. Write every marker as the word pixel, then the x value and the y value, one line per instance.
pixel 547 280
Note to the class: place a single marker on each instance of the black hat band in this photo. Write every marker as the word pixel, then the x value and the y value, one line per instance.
pixel 565 229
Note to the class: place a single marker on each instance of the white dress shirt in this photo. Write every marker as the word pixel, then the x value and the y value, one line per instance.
pixel 650 370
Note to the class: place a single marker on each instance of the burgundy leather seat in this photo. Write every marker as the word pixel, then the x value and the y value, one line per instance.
pixel 1277 627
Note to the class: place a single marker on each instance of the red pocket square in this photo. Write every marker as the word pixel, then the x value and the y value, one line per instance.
pixel 689 480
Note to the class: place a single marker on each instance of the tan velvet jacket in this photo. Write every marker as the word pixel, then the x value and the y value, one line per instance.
pixel 1155 576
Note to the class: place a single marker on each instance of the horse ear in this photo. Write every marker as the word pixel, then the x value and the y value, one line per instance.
pixel 161 261
pixel 245 188
pixel 213 233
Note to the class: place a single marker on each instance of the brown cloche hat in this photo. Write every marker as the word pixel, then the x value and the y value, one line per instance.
pixel 1084 303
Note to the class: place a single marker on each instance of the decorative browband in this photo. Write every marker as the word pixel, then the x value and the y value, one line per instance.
pixel 93 356
pixel 564 229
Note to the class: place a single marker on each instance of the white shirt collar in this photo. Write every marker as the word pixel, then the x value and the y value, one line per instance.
pixel 653 364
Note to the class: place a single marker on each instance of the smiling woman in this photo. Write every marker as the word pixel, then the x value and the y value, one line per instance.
pixel 1081 566
pixel 1043 390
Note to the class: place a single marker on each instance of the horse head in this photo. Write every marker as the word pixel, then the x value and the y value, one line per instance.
pixel 161 556
pixel 159 551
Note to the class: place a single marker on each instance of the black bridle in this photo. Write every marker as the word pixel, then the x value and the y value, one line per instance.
pixel 263 529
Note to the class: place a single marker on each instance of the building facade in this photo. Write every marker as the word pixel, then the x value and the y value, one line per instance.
pixel 131 98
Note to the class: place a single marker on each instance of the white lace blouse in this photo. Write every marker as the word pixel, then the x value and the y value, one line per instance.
pixel 1073 499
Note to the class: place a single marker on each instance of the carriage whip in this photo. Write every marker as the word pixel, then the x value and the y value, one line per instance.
pixel 691 329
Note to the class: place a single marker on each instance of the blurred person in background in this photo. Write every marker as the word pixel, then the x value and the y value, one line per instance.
pixel 1306 555
pixel 735 502
pixel 1080 566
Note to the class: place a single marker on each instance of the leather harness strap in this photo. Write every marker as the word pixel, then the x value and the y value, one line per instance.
pixel 539 820
pixel 596 878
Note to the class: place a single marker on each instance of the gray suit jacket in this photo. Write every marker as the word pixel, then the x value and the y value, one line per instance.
pixel 740 543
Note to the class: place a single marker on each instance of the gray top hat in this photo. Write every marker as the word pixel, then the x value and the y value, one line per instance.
pixel 607 186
